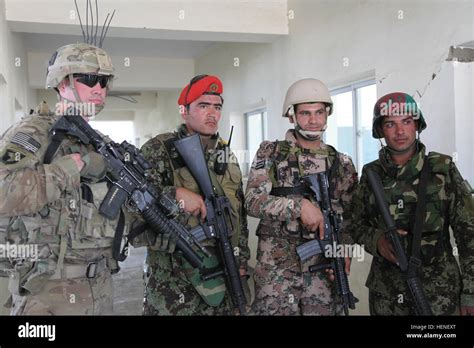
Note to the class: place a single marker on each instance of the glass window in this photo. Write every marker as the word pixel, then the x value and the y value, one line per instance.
pixel 350 125
pixel 339 132
pixel 256 131
pixel 369 147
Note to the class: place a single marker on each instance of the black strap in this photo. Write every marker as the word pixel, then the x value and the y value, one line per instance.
pixel 332 173
pixel 176 159
pixel 53 146
pixel 116 253
pixel 285 191
pixel 137 230
pixel 86 193
pixel 420 212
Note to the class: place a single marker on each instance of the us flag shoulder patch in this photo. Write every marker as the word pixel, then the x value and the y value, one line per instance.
pixel 26 141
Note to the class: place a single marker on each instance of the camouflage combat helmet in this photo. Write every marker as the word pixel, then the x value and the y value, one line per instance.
pixel 396 104
pixel 76 59
pixel 306 91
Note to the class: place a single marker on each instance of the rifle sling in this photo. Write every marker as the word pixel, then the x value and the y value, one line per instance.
pixel 117 242
pixel 420 213
pixel 295 190
pixel 56 140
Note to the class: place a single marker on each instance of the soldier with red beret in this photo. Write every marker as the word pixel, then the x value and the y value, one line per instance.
pixel 172 285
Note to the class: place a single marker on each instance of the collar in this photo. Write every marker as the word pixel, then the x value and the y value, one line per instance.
pixel 209 144
pixel 409 170
pixel 290 138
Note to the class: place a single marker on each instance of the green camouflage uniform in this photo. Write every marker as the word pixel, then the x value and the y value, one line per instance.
pixel 284 286
pixel 52 206
pixel 448 203
pixel 173 286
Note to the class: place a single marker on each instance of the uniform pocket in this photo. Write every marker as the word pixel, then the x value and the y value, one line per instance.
pixel 93 227
pixel 187 179
pixel 39 230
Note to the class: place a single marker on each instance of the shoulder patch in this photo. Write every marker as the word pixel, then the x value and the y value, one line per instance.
pixel 260 164
pixel 26 141
pixel 12 156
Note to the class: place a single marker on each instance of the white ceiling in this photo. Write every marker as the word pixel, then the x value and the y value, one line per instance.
pixel 119 46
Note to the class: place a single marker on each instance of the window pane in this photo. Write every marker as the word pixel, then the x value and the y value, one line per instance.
pixel 368 146
pixel 254 134
pixel 340 131
pixel 265 125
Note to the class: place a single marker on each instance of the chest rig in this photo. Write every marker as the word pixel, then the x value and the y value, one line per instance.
pixel 227 180
pixel 284 152
pixel 226 177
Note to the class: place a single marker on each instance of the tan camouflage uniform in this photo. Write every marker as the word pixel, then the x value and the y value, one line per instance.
pixel 173 286
pixel 54 208
pixel 283 285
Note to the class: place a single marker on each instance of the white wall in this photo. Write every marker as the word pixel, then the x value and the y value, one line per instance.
pixel 191 19
pixel 15 95
pixel 403 48
pixel 403 52
pixel 464 112
pixel 163 118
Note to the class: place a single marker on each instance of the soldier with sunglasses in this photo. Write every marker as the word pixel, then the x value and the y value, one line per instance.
pixel 173 286
pixel 54 185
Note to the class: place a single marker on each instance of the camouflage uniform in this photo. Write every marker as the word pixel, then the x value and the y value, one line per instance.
pixel 53 207
pixel 284 286
pixel 448 203
pixel 173 286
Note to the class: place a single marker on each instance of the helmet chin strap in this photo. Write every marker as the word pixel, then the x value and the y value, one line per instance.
pixel 308 135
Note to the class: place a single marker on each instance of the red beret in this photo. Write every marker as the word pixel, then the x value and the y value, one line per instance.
pixel 207 84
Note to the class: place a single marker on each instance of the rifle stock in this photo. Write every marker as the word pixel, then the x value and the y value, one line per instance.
pixel 414 285
pixel 218 210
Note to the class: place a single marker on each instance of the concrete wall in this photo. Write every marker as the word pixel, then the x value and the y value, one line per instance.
pixel 464 123
pixel 16 98
pixel 163 118
pixel 221 20
pixel 402 43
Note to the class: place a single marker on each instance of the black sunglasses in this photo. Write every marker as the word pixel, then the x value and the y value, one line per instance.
pixel 91 80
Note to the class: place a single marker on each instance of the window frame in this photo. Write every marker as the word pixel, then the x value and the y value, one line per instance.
pixel 357 139
pixel 262 111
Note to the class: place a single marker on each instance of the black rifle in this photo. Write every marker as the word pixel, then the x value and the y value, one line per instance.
pixel 328 246
pixel 127 174
pixel 218 211
pixel 422 306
